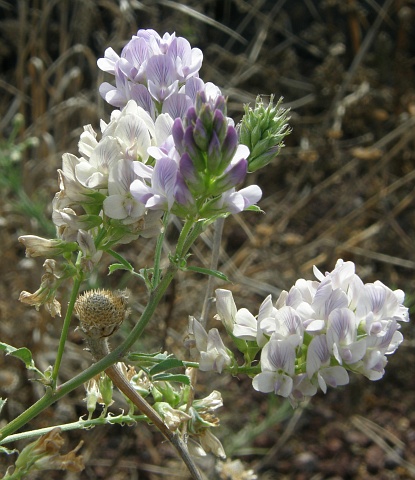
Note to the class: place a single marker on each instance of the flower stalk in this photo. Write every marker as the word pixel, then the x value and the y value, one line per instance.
pixel 65 328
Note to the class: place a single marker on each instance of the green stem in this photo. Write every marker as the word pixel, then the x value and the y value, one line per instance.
pixel 112 420
pixel 214 261
pixel 158 252
pixel 124 386
pixel 65 328
pixel 192 236
pixel 143 360
pixel 184 234
pixel 246 370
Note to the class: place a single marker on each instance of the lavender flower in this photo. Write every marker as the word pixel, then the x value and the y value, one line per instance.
pixel 278 367
pixel 150 70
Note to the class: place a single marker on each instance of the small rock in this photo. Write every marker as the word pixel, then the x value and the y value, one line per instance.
pixel 306 461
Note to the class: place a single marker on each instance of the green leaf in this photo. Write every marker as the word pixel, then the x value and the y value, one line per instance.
pixel 22 353
pixel 166 365
pixel 172 377
pixel 116 266
pixel 207 271
pixel 124 264
pixel 137 356
pixel 254 208
pixel 25 356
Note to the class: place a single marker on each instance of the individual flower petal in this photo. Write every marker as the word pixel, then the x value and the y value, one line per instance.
pixel 161 77
pixel 333 377
pixel 245 325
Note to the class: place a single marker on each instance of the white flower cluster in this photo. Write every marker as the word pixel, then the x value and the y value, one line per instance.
pixel 98 182
pixel 318 331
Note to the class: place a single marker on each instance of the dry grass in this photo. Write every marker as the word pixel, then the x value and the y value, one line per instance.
pixel 343 187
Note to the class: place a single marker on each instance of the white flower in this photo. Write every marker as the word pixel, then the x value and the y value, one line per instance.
pixel 285 325
pixel 226 308
pixel 87 141
pixel 133 128
pixel 71 190
pixel 213 353
pixel 172 417
pixel 277 368
pixel 318 331
pixel 302 388
pixel 241 323
pixel 318 364
pixel 210 443
pixel 94 173
pixel 120 204
pixel 209 403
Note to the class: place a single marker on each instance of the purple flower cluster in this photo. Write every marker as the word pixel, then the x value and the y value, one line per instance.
pixel 197 162
pixel 147 160
pixel 199 166
pixel 157 72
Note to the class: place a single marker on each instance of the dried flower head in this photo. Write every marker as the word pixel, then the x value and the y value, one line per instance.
pixel 44 454
pixel 101 312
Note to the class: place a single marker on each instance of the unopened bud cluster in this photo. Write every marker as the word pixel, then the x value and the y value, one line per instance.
pixel 263 130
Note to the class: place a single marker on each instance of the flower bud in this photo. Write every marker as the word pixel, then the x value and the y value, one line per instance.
pixel 170 394
pixel 201 135
pixel 39 247
pixel 193 150
pixel 234 176
pixel 178 134
pixel 229 148
pixel 92 396
pixel 220 125
pixel 263 130
pixel 105 388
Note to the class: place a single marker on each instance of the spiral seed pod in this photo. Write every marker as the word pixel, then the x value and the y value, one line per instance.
pixel 101 312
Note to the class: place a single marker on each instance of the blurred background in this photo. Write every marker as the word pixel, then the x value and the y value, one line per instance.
pixel 343 187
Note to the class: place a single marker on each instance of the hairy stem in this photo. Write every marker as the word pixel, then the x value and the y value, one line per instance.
pixel 214 261
pixel 109 420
